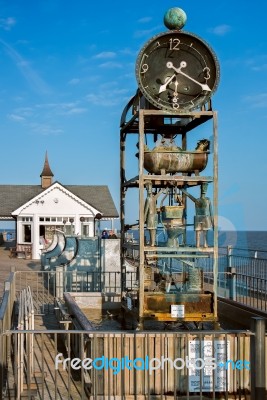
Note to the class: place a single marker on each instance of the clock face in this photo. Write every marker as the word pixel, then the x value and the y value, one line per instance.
pixel 177 71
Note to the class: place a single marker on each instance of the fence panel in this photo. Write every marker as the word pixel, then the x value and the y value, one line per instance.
pixel 129 365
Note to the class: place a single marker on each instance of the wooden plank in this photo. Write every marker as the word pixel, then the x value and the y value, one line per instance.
pixel 158 372
pixel 131 357
pixel 126 351
pixel 117 347
pixel 169 350
pixel 139 374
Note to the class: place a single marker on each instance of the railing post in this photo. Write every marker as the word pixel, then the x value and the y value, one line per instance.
pixel 257 359
pixel 231 274
pixel 2 361
pixel 59 282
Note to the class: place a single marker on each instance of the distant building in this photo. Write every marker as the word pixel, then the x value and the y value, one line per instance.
pixel 41 209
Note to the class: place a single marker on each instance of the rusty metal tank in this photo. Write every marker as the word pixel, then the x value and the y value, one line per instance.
pixel 173 212
pixel 172 159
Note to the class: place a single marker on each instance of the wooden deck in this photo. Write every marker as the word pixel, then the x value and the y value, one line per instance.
pixel 8 264
pixel 46 382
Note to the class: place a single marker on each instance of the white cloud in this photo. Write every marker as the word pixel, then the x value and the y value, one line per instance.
pixel 34 80
pixel 74 81
pixel 128 52
pixel 56 106
pixel 110 64
pixel 7 23
pixel 44 129
pixel 76 110
pixel 23 112
pixel 220 30
pixel 262 67
pixel 105 55
pixel 23 63
pixel 258 62
pixel 257 100
pixel 101 99
pixel 107 99
pixel 71 108
pixel 15 117
pixel 22 41
pixel 144 20
pixel 147 32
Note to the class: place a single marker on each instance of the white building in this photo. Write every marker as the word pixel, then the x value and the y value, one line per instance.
pixel 41 209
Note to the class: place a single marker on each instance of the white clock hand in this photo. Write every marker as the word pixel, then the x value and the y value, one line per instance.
pixel 164 87
pixel 183 64
pixel 176 86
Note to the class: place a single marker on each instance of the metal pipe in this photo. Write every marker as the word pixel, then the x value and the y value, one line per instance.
pixel 215 208
pixel 141 214
pixel 231 275
pixel 257 352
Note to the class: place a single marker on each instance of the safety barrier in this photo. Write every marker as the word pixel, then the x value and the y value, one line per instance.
pixel 240 356
pixel 6 318
pixel 143 365
pixel 24 353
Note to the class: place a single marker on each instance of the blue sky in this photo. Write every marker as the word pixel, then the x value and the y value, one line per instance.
pixel 68 70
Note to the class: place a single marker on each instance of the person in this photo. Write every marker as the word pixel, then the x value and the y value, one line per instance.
pixel 104 235
pixel 150 213
pixel 112 235
pixel 203 220
pixel 42 240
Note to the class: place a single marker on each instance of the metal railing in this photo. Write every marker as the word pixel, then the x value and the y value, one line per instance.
pixel 143 365
pixel 241 278
pixel 247 278
pixel 231 350
pixel 47 285
pixel 6 323
pixel 25 345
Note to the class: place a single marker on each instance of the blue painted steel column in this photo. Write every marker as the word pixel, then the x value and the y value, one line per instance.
pixel 231 275
pixel 257 359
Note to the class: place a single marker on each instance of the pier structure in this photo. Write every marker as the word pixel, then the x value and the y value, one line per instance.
pixel 50 347
pixel 52 322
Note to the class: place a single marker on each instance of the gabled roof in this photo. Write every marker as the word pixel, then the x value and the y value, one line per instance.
pixel 14 196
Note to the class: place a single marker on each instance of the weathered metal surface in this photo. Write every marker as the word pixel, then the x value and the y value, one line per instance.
pixel 171 162
pixel 170 212
pixel 197 307
pixel 167 166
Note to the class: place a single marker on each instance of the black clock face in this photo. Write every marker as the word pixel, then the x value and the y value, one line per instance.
pixel 177 71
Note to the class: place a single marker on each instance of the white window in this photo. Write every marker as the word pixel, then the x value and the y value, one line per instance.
pixel 26 219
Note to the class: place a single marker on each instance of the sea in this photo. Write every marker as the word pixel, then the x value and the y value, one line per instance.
pixel 10 232
pixel 253 242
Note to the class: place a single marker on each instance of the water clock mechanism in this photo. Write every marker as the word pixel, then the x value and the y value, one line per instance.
pixel 176 180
